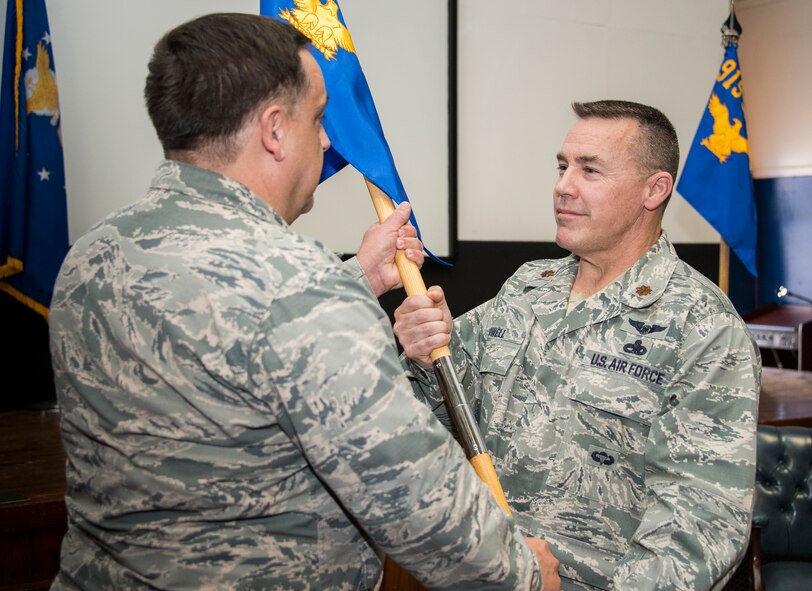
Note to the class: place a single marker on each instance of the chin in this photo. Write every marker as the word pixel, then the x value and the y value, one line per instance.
pixel 561 240
pixel 570 244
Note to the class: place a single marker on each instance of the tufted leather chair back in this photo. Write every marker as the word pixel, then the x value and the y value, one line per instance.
pixel 784 493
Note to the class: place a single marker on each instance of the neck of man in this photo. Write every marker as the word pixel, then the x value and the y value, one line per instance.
pixel 597 270
pixel 251 167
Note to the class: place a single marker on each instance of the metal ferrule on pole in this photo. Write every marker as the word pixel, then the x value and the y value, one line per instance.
pixel 460 412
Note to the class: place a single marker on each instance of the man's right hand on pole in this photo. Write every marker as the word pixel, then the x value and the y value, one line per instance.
pixel 423 324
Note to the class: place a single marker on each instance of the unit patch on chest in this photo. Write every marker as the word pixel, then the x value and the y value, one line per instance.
pixel 632 369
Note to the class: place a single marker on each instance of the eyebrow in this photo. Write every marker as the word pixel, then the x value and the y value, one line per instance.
pixel 581 159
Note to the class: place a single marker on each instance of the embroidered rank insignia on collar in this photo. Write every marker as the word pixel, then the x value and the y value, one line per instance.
pixel 643 290
pixel 548 273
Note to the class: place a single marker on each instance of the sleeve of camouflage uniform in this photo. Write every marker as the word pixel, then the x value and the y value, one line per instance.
pixel 328 367
pixel 353 267
pixel 700 465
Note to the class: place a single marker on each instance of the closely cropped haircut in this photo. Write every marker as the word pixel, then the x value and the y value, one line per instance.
pixel 659 149
pixel 209 75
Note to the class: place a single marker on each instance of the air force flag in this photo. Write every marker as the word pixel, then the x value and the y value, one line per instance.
pixel 716 178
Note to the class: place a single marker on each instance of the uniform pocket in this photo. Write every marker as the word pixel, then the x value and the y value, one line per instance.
pixel 498 355
pixel 590 467
pixel 602 454
pixel 619 386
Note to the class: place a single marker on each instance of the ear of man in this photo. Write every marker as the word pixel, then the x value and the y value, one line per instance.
pixel 273 126
pixel 659 187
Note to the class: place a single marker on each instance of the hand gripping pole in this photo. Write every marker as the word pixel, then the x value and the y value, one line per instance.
pixel 460 412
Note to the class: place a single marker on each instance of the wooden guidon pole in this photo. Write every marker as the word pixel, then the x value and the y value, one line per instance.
pixel 724 266
pixel 456 401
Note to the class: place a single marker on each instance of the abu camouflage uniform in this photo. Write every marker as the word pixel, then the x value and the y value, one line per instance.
pixel 624 431
pixel 235 415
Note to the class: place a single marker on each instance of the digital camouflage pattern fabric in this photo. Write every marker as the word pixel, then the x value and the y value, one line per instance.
pixel 624 431
pixel 235 415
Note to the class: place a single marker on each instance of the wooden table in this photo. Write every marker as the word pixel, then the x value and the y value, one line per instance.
pixel 33 519
pixel 786 397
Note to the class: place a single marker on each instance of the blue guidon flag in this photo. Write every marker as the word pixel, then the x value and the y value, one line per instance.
pixel 351 120
pixel 716 178
pixel 33 204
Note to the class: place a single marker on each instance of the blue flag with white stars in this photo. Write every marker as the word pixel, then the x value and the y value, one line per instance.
pixel 351 120
pixel 716 178
pixel 33 203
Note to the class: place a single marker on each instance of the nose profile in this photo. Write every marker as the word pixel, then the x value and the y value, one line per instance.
pixel 563 186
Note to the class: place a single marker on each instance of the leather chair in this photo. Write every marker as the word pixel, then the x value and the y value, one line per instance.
pixel 782 519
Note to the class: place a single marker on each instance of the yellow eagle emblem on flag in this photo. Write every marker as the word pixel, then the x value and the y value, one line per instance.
pixel 726 137
pixel 42 97
pixel 319 22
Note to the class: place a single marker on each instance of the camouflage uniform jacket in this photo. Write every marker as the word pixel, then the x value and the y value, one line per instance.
pixel 624 431
pixel 235 415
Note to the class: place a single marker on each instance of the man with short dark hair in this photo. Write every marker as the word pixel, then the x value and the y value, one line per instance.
pixel 233 409
pixel 616 387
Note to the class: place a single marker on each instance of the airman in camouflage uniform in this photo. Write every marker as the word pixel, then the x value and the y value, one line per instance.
pixel 622 423
pixel 234 412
